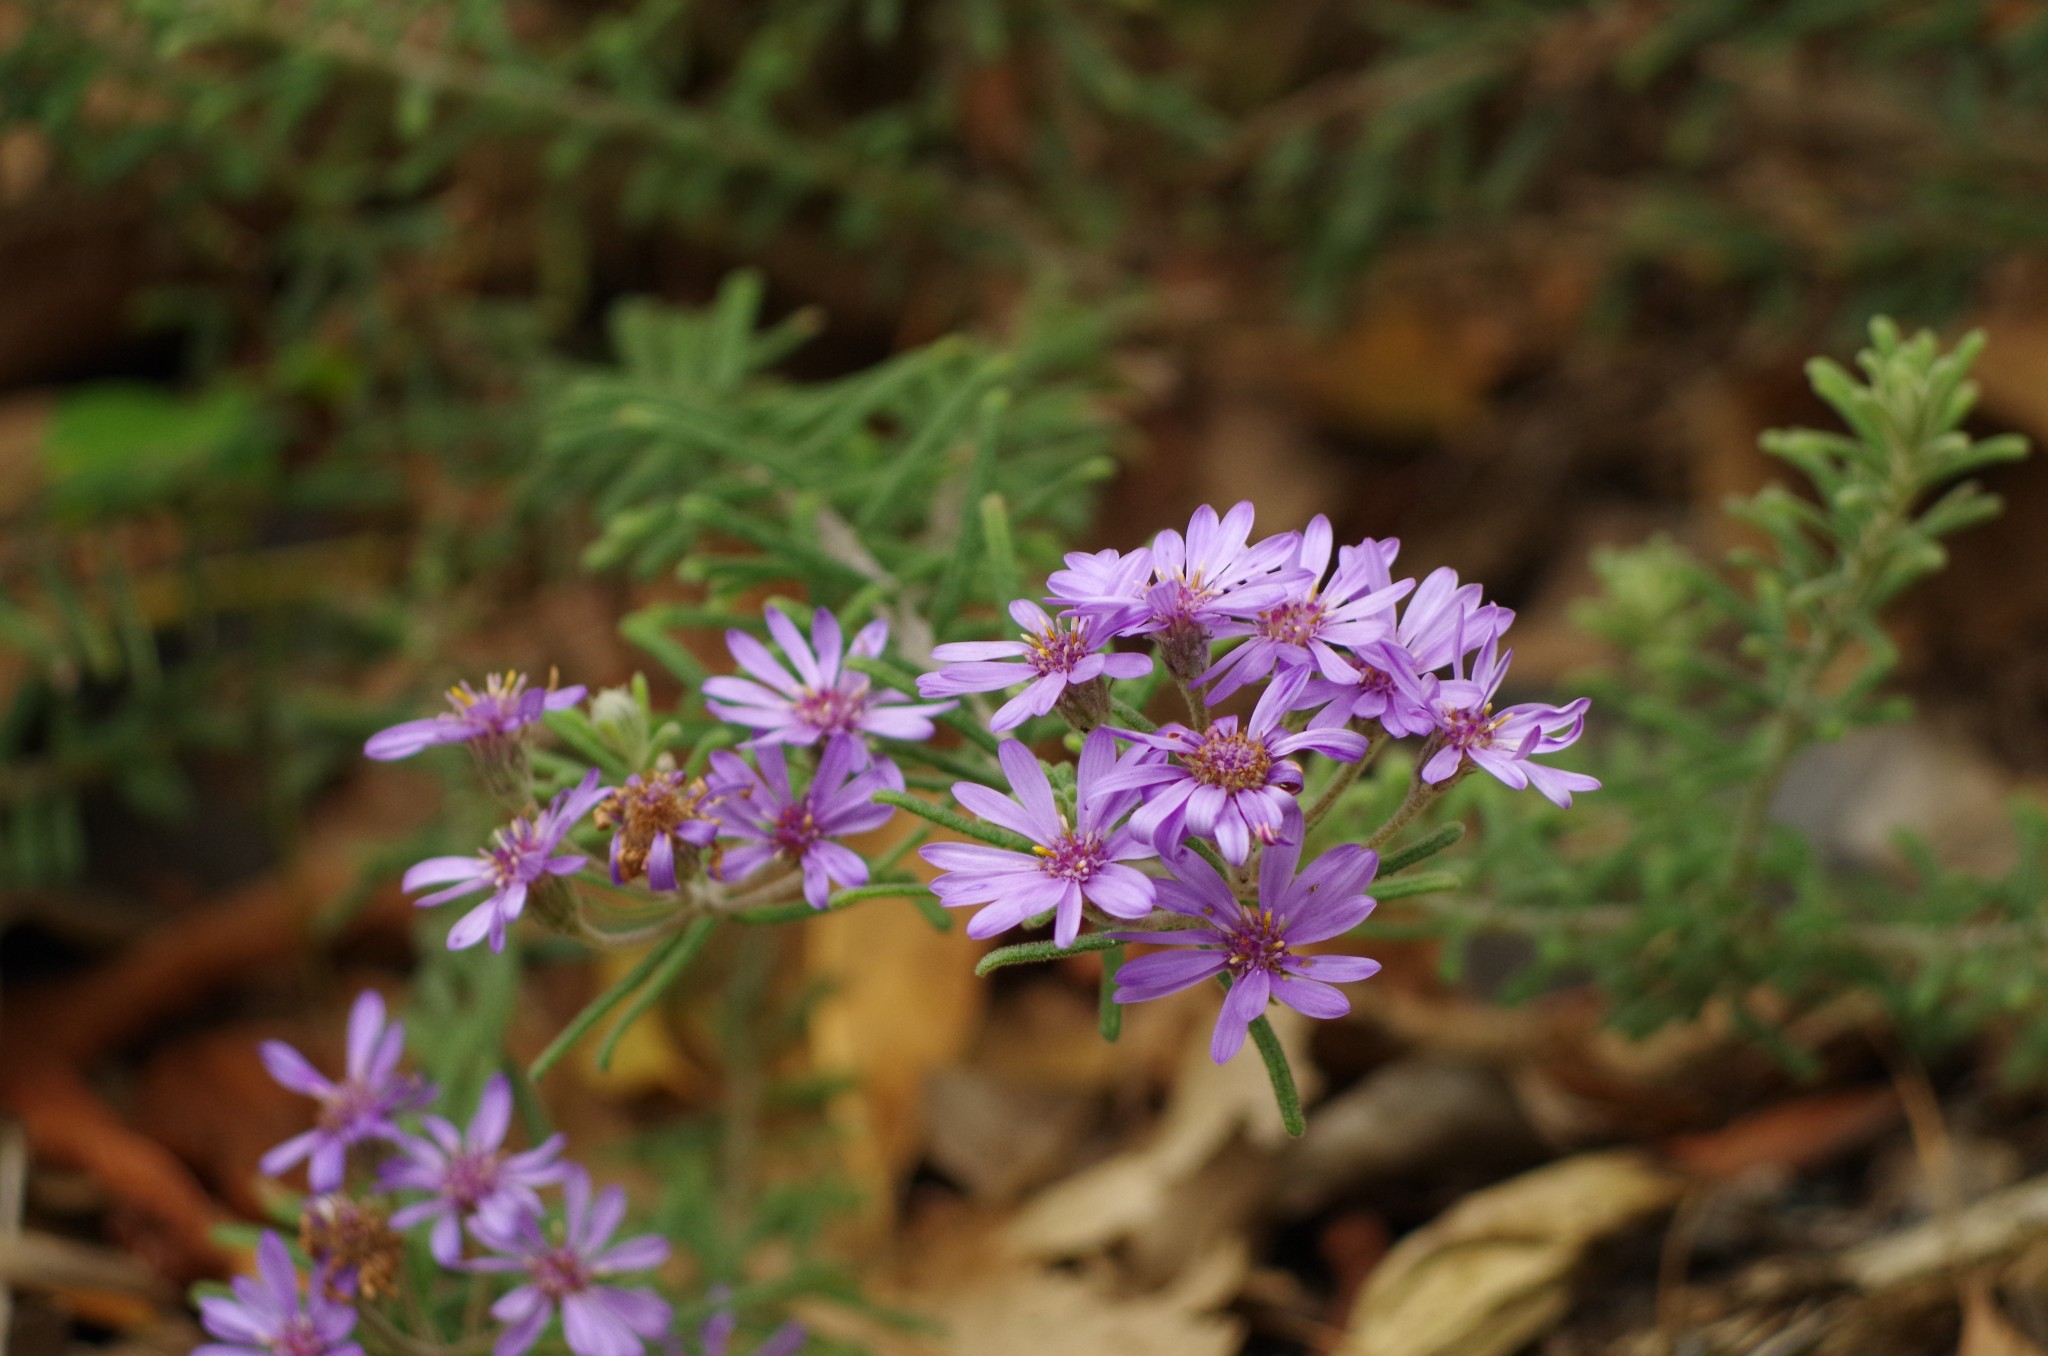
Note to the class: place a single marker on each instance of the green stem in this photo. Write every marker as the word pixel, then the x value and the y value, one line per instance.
pixel 1421 795
pixel 675 959
pixel 598 1007
pixel 1025 953
pixel 1284 1092
pixel 1198 710
pixel 1376 739
pixel 1420 850
pixel 1110 1013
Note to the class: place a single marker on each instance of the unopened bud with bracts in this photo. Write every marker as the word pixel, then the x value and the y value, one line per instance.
pixel 619 715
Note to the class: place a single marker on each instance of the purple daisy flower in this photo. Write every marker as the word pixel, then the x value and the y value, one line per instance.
pixel 597 1320
pixel 823 700
pixel 357 1108
pixel 1069 863
pixel 657 820
pixel 1303 627
pixel 522 853
pixel 267 1317
pixel 1055 654
pixel 762 808
pixel 1106 586
pixel 1504 743
pixel 1390 680
pixel 1258 947
pixel 1213 571
pixel 501 710
pixel 1228 784
pixel 470 1173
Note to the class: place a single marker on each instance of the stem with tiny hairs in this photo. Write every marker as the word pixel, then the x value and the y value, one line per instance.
pixel 1376 738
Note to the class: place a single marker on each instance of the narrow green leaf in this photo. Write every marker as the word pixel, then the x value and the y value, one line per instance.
pixel 1422 883
pixel 597 1008
pixel 1284 1092
pixel 1000 549
pixel 675 960
pixel 1029 953
pixel 1109 1012
pixel 1420 850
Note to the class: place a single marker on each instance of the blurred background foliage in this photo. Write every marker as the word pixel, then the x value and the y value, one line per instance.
pixel 348 347
pixel 296 278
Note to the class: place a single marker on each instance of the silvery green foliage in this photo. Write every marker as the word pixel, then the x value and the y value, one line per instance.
pixel 1688 891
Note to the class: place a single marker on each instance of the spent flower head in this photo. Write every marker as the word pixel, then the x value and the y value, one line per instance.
pixel 522 854
pixel 1258 946
pixel 659 821
pixel 357 1108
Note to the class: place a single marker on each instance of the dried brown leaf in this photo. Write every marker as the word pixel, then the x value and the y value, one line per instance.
pixel 1494 1271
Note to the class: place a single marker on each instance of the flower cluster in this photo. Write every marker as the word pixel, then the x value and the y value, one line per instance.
pixel 675 832
pixel 1350 658
pixel 477 1203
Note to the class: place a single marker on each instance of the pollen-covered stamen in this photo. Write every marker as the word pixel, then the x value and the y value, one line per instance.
pixel 1464 729
pixel 299 1337
pixel 349 1105
pixel 1372 679
pixel 645 810
pixel 498 701
pixel 510 858
pixel 560 1272
pixel 1073 856
pixel 1056 649
pixel 1258 941
pixel 833 710
pixel 796 829
pixel 1294 622
pixel 1229 760
pixel 472 1175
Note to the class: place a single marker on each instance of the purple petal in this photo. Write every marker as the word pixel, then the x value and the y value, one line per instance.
pixel 828 640
pixel 792 642
pixel 756 658
pixel 1309 997
pixel 291 1068
pixel 1160 973
pixel 365 1029
pixel 1000 810
pixel 403 741
pixel 641 1253
pixel 1334 969
pixel 280 1159
pixel 1121 891
pixel 493 1114
pixel 438 870
pixel 1245 1002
